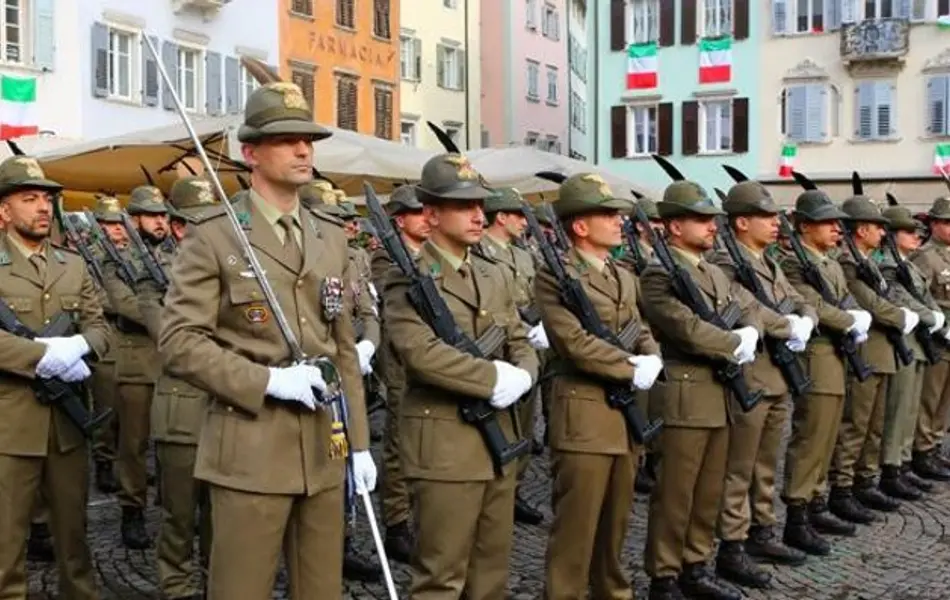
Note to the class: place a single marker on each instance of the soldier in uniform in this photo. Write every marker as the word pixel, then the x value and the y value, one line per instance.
pixel 696 407
pixel 856 460
pixel 464 513
pixel 137 365
pixel 747 516
pixel 505 226
pixel 40 449
pixel 904 388
pixel 933 260
pixel 815 417
pixel 178 409
pixel 276 480
pixel 593 458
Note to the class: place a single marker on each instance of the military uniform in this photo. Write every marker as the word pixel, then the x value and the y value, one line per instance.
pixel 463 512
pixel 276 481
pixel 39 448
pixel 593 460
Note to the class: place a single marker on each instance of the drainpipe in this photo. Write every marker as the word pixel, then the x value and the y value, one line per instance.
pixel 596 158
pixel 570 78
pixel 468 84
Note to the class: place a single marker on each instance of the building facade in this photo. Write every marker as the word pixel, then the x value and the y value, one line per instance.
pixel 678 78
pixel 579 38
pixel 344 54
pixel 856 85
pixel 440 50
pixel 525 92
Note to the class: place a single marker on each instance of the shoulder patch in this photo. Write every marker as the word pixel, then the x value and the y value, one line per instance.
pixel 326 217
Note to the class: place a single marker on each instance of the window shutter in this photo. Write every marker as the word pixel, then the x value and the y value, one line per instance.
pixel 816 112
pixel 232 84
pixel 849 11
pixel 780 17
pixel 44 34
pixel 213 83
pixel 904 9
pixel 618 26
pixel 170 58
pixel 664 129
pixel 690 125
pixel 618 131
pixel 688 24
pixel 150 79
pixel 462 69
pixel 417 53
pixel 796 120
pixel 886 100
pixel 864 109
pixel 667 23
pixel 440 65
pixel 938 88
pixel 740 125
pixel 99 41
pixel 740 19
pixel 832 14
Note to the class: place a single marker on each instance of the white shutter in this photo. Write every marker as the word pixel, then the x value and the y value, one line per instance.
pixel 779 17
pixel 849 11
pixel 816 103
pixel 832 12
pixel 936 110
pixel 796 98
pixel 864 109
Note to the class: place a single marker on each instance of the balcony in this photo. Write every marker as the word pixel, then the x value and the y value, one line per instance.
pixel 207 8
pixel 878 41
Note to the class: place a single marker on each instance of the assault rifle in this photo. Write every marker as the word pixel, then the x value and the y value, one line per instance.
pixel 630 236
pixel 125 271
pixel 431 307
pixel 154 270
pixel 74 236
pixel 620 396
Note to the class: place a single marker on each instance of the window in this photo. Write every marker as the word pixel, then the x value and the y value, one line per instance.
pixel 809 16
pixel 577 156
pixel 915 10
pixel 643 21
pixel 303 78
pixel 550 27
pixel 716 18
pixel 879 9
pixel 577 58
pixel 407 133
pixel 874 109
pixel 453 131
pixel 531 14
pixel 938 93
pixel 534 74
pixel 641 130
pixel 410 58
pixel 531 139
pixel 383 97
pixel 553 144
pixel 578 112
pixel 345 13
pixel 14 31
pixel 302 7
pixel 450 3
pixel 247 84
pixel 552 85
pixel 190 78
pixel 346 102
pixel 715 126
pixel 121 64
pixel 451 65
pixel 381 19
pixel 805 112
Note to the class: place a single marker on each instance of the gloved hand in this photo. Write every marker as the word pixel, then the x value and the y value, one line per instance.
pixel 860 338
pixel 946 335
pixel 61 354
pixel 78 372
pixel 365 351
pixel 538 338
pixel 940 321
pixel 796 345
pixel 911 319
pixel 748 338
pixel 295 384
pixel 801 328
pixel 511 383
pixel 862 322
pixel 647 368
pixel 364 472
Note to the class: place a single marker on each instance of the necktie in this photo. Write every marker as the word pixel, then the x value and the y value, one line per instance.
pixel 292 254
pixel 465 271
pixel 39 262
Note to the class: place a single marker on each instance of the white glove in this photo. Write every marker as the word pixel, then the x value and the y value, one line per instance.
pixel 862 322
pixel 61 354
pixel 805 328
pixel 511 383
pixel 946 335
pixel 940 321
pixel 538 338
pixel 647 368
pixel 911 319
pixel 77 372
pixel 295 384
pixel 796 345
pixel 748 338
pixel 365 350
pixel 364 472
pixel 860 338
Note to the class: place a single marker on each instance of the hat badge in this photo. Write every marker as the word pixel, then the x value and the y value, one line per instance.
pixel 602 188
pixel 31 167
pixel 204 192
pixel 292 95
pixel 463 166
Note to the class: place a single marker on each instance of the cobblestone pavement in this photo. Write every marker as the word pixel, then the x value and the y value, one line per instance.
pixel 903 556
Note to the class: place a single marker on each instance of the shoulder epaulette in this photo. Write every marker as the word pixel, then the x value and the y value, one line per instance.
pixel 325 216
pixel 65 249
pixel 211 213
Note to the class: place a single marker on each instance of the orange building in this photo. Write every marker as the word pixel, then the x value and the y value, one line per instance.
pixel 344 54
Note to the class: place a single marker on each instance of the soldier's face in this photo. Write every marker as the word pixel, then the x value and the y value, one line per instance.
pixel 940 229
pixel 601 230
pixel 906 241
pixel 871 234
pixel 823 235
pixel 761 230
pixel 352 228
pixel 29 213
pixel 286 160
pixel 414 225
pixel 462 221
pixel 698 234
pixel 514 223
pixel 116 233
pixel 153 226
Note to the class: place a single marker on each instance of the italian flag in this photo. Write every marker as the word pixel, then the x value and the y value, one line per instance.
pixel 641 66
pixel 17 107
pixel 787 162
pixel 942 159
pixel 715 60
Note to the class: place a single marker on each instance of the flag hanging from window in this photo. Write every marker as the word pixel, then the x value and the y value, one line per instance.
pixel 942 159
pixel 17 107
pixel 787 162
pixel 715 60
pixel 641 66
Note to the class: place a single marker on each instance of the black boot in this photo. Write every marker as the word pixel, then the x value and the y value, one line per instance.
pixel 696 581
pixel 866 492
pixel 823 521
pixel 733 564
pixel 525 513
pixel 134 535
pixel 800 534
pixel 844 506
pixel 925 465
pixel 892 483
pixel 359 568
pixel 763 545
pixel 665 588
pixel 911 478
pixel 39 546
pixel 398 543
pixel 105 478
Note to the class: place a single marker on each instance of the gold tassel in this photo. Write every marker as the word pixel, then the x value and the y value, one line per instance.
pixel 338 446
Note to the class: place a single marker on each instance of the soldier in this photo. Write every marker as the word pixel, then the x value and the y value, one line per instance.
pixel 177 411
pixel 276 481
pixel 933 260
pixel 464 514
pixel 748 513
pixel 696 407
pixel 506 225
pixel 815 417
pixel 593 459
pixel 904 388
pixel 856 459
pixel 40 449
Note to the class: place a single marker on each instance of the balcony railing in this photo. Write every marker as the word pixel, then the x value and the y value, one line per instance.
pixel 875 40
